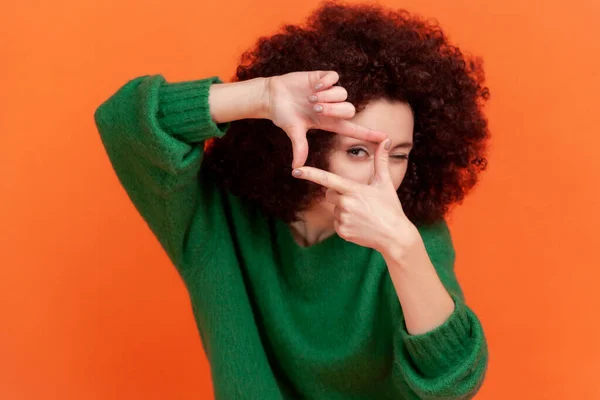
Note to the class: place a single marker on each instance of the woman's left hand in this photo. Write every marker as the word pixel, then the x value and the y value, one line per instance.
pixel 368 215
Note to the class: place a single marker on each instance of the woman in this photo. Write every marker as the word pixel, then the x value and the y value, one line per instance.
pixel 334 279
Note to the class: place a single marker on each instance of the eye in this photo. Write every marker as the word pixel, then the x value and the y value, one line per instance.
pixel 400 157
pixel 357 152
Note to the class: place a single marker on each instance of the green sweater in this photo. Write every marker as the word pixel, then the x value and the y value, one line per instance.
pixel 276 320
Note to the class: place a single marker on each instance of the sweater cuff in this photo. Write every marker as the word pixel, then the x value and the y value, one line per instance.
pixel 443 347
pixel 184 111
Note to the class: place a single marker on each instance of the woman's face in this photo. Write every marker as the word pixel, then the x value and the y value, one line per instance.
pixel 355 159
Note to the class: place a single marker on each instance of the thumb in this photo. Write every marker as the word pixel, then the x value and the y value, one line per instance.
pixel 382 162
pixel 299 147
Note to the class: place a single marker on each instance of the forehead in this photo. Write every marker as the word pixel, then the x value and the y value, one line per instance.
pixel 393 118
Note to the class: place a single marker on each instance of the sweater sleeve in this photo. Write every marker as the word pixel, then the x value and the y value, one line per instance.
pixel 450 361
pixel 153 133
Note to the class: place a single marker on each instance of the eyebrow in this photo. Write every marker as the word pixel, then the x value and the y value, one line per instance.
pixel 407 145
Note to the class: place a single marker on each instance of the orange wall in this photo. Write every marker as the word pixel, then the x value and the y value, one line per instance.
pixel 90 307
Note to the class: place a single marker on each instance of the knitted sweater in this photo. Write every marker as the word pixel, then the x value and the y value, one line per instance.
pixel 277 320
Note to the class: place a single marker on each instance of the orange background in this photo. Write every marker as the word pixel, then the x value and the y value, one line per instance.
pixel 90 307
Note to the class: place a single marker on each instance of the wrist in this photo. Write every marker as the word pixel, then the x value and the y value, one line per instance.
pixel 400 249
pixel 258 98
pixel 239 100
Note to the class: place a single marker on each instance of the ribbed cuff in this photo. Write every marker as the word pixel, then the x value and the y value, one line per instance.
pixel 440 349
pixel 184 111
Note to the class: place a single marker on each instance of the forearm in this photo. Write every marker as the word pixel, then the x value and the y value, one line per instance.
pixel 238 100
pixel 440 349
pixel 425 302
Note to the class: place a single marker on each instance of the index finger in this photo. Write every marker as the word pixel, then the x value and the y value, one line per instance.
pixel 324 178
pixel 351 129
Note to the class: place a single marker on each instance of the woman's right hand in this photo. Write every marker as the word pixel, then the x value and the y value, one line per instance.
pixel 296 103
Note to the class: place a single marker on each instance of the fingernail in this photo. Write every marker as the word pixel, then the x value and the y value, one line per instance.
pixel 318 108
pixel 318 86
pixel 312 98
pixel 388 144
pixel 296 173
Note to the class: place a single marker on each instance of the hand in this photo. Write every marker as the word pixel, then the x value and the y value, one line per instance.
pixel 368 215
pixel 296 104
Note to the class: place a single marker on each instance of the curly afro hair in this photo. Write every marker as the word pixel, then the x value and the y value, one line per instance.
pixel 378 53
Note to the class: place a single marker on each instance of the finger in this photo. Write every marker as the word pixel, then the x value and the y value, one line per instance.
pixel 299 147
pixel 337 214
pixel 326 179
pixel 333 197
pixel 300 151
pixel 351 129
pixel 335 94
pixel 340 229
pixel 382 162
pixel 322 80
pixel 336 110
pixel 336 226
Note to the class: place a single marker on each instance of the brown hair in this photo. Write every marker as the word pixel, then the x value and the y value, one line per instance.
pixel 378 53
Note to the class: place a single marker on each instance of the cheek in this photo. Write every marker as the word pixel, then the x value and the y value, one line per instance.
pixel 398 175
pixel 357 171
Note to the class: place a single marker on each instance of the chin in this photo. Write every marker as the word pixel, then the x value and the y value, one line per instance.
pixel 327 207
pixel 322 207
